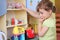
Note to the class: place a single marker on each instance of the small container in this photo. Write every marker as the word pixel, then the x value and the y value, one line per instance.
pixel 22 37
pixel 20 21
pixel 8 22
pixel 13 5
pixel 12 21
pixel 17 5
pixel 9 5
pixel 15 37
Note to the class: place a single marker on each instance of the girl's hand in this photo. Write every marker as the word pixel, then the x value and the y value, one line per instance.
pixel 22 6
pixel 41 20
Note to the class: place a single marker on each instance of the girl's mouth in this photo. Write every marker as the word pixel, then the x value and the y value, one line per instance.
pixel 41 17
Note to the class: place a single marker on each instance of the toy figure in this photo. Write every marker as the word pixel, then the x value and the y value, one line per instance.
pixel 30 32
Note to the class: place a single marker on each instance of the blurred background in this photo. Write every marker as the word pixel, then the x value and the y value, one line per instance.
pixel 57 3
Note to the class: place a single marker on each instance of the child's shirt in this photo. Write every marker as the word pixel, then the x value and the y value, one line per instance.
pixel 51 24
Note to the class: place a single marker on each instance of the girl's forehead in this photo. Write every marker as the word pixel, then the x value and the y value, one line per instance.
pixel 42 10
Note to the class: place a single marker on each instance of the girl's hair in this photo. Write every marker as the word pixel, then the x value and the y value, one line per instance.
pixel 30 26
pixel 47 5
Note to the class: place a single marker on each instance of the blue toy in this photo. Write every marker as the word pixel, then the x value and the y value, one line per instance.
pixel 22 37
pixel 15 37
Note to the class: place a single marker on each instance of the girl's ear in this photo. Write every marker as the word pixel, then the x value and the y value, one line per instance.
pixel 50 11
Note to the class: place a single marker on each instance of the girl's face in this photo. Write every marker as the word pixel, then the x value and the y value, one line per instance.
pixel 44 14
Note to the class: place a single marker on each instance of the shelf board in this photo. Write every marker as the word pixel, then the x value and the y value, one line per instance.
pixel 15 25
pixel 13 9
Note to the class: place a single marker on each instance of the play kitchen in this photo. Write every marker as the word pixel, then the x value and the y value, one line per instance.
pixel 2 36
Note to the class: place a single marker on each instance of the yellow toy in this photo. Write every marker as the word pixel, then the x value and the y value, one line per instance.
pixel 18 30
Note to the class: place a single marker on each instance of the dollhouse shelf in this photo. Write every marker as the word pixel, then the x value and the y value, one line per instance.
pixel 16 25
pixel 13 9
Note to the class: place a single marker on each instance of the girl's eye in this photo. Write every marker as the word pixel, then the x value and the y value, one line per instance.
pixel 40 12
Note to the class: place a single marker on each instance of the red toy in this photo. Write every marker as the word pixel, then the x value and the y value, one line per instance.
pixel 30 33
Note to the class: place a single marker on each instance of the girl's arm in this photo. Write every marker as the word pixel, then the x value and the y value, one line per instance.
pixel 31 12
pixel 42 30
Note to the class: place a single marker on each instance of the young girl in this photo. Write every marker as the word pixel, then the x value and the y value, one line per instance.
pixel 46 17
